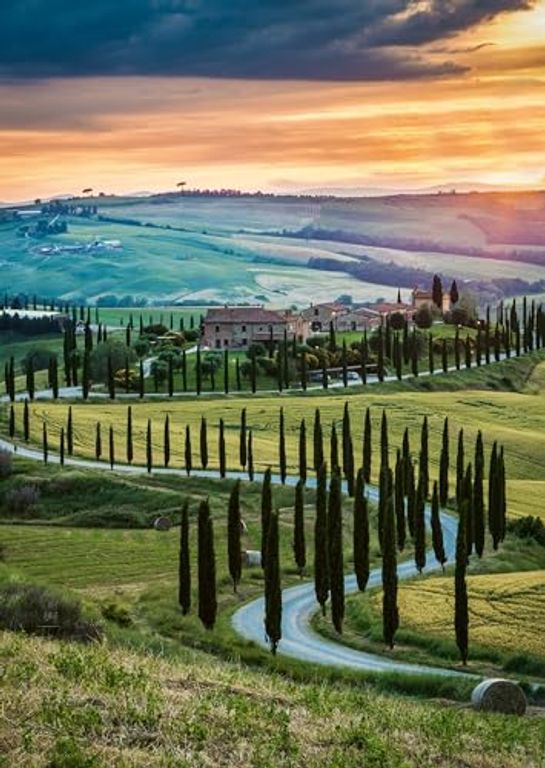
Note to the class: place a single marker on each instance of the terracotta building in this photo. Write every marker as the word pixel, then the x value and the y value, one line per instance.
pixel 240 327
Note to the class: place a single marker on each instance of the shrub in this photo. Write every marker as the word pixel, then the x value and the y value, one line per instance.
pixel 528 527
pixel 423 317
pixel 6 466
pixel 22 499
pixel 38 611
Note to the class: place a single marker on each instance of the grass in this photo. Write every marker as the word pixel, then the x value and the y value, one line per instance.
pixel 516 419
pixel 106 707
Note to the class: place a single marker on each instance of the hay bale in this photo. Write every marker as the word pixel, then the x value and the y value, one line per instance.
pixel 504 696
pixel 162 524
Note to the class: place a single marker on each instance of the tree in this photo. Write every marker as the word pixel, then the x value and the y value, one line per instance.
pixel 243 454
pixel 130 454
pixel 333 449
pixel 149 448
pixel 318 442
pixel 26 421
pixel 187 451
pixel 266 511
pixel 184 565
pixel 61 447
pixel 303 452
pixel 335 550
pixel 423 317
pixel 460 469
pixel 221 449
pixel 234 524
pixel 478 496
pixel 299 546
pixel 98 441
pixel 11 424
pixel 166 441
pixel 399 499
pixel 250 456
pixel 203 443
pixel 321 565
pixel 420 528
pixel 437 292
pixel 206 568
pixel 390 613
pixel 444 466
pixel 423 465
pixel 282 448
pixel 361 533
pixel 111 442
pixel 45 447
pixel 436 528
pixel 273 592
pixel 461 613
pixel 454 295
pixel 70 432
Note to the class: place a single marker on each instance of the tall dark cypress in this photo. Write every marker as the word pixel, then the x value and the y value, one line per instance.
pixel 266 510
pixel 70 432
pixel 321 559
pixel 184 370
pixel 30 385
pixel 226 371
pixel 444 356
pixel 461 613
pixel 344 364
pixel 444 463
pixel 26 421
pixel 141 381
pixel 282 461
pixel 233 535
pixel 130 452
pixel 98 441
pixel 273 592
pixel 203 442
pixel 333 449
pixel 367 447
pixel 390 612
pixel 431 358
pixel 198 371
pixel 493 516
pixel 361 533
pixel 45 445
pixel 237 374
pixel 349 471
pixel 407 460
pixel 299 545
pixel 111 446
pixel 221 449
pixel 253 373
pixel 423 465
pixel 303 452
pixel 304 371
pixel 380 354
pixel 420 528
pixel 437 529
pixel 478 497
pixel 250 456
pixel 61 447
pixel 410 490
pixel 208 605
pixel 111 379
pixel 188 454
pixel 468 499
pixel 243 440
pixel 318 442
pixel 184 563
pixel 335 550
pixel 11 422
pixel 460 469
pixel 55 377
pixel 149 448
pixel 399 499
pixel 166 441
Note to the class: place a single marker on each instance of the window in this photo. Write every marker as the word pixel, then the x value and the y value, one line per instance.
pixel 243 329
pixel 226 342
pixel 316 312
pixel 218 344
pixel 244 342
pixel 217 329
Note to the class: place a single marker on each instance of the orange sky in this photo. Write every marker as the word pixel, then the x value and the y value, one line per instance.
pixel 131 134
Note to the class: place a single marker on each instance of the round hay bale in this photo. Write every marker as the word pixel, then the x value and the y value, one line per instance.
pixel 504 696
pixel 162 524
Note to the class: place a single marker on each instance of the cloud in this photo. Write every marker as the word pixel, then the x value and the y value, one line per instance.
pixel 273 39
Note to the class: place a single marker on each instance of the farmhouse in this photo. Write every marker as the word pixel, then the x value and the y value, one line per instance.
pixel 362 319
pixel 320 316
pixel 240 327
pixel 423 298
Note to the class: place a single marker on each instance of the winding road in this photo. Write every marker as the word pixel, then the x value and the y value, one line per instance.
pixel 299 640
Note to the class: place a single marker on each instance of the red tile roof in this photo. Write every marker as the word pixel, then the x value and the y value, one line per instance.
pixel 243 315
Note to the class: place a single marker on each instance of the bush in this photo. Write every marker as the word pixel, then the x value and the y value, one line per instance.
pixel 22 499
pixel 6 466
pixel 528 527
pixel 423 317
pixel 38 611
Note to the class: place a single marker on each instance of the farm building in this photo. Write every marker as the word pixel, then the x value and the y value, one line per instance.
pixel 423 298
pixel 320 316
pixel 240 327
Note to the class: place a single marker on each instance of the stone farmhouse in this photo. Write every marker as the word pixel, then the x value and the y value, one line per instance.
pixel 240 327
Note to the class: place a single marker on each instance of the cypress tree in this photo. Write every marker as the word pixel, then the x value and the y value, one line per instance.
pixel 61 448
pixel 266 511
pixel 444 463
pixel 70 432
pixel 411 499
pixel 282 448
pixel 250 456
pixel 111 380
pixel 243 440
pixel 335 547
pixel 420 528
pixel 502 495
pixel 361 533
pixel 85 377
pixel 346 439
pixel 467 350
pixel 30 386
pixel 468 499
pixel 460 469
pixel 203 443
pixel 461 613
pixel 187 451
pixel 226 371
pixel 431 359
pixel 170 377
pixel 344 364
pixel 237 374
pixel 184 370
pixel 380 355
pixel 273 593
pixel 493 518
pixel 166 441
pixel 141 382
pixel 233 535
pixel 367 447
pixel 304 371
pixel 98 442
pixel 221 449
pixel 321 564
pixel 303 452
pixel 399 499
pixel 149 448
pixel 26 421
pixel 253 376
pixel 184 564
pixel 364 357
pixel 332 338
pixel 11 423
pixel 299 546
pixel 350 468
pixel 444 356
pixel 333 449
pixel 198 371
pixel 390 613
pixel 457 349
pixel 55 376
pixel 318 443
pixel 325 382
pixel 478 496
pixel 436 528
pixel 398 361
pixel 130 452
pixel 384 451
pixel 208 605
pixel 45 446
pixel 423 465
pixel 414 355
pixel 111 446
pixel 407 461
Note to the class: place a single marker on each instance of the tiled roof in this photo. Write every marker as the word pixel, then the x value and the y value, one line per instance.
pixel 243 315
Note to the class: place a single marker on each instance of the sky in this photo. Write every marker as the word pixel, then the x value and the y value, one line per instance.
pixel 277 95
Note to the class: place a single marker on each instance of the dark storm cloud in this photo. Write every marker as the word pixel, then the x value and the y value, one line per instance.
pixel 317 39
